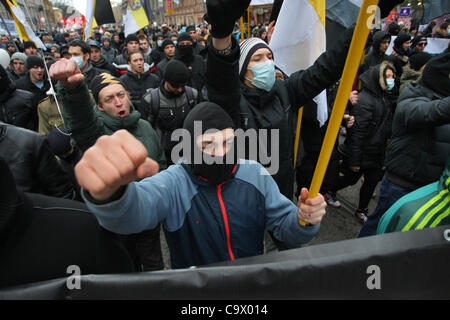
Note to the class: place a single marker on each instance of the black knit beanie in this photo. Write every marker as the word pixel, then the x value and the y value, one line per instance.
pixel 184 36
pixel 436 75
pixel 176 72
pixel 35 61
pixel 419 59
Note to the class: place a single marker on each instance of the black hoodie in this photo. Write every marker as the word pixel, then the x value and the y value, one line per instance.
pixel 375 57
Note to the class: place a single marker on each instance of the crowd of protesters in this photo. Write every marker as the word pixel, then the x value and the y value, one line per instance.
pixel 89 125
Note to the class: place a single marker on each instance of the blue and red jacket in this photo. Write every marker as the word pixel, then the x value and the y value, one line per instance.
pixel 206 223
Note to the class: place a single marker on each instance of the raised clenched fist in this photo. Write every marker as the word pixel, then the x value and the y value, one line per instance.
pixel 112 162
pixel 66 71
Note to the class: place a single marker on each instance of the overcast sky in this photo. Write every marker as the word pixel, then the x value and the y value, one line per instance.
pixel 80 5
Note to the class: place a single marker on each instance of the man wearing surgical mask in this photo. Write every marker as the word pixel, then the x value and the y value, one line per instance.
pixel 80 52
pixel 265 102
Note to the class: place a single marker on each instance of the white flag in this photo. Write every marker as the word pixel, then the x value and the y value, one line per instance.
pixel 299 39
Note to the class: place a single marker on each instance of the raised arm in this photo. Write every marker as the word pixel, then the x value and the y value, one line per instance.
pixel 222 68
pixel 77 104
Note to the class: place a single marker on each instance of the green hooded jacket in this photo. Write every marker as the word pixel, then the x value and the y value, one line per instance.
pixel 87 123
pixel 427 207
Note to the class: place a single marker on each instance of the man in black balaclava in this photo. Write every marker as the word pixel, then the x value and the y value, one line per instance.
pixel 185 52
pixel 40 237
pixel 214 207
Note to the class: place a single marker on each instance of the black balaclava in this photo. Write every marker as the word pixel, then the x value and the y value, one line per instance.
pixel 184 53
pixel 211 116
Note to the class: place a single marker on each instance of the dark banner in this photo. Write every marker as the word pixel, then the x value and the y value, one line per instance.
pixel 406 265
pixel 103 12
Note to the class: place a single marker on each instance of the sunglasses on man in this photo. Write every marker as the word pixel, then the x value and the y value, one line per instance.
pixel 421 44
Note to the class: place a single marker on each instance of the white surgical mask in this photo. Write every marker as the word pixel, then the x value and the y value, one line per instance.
pixel 390 84
pixel 80 62
pixel 264 75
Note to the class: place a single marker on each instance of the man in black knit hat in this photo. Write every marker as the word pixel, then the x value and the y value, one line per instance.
pixel 35 80
pixel 168 105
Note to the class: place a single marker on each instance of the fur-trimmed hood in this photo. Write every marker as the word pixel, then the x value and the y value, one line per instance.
pixel 374 79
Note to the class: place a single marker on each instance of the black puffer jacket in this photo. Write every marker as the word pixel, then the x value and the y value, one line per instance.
pixel 277 109
pixel 365 144
pixel 32 163
pixel 16 107
pixel 420 142
pixel 137 86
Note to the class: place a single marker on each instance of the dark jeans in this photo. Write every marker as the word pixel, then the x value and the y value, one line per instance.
pixel 389 194
pixel 371 179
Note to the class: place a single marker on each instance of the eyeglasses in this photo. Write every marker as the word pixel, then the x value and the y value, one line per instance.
pixel 422 44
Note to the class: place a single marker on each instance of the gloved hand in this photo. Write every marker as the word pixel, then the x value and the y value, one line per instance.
pixel 222 14
pixel 386 6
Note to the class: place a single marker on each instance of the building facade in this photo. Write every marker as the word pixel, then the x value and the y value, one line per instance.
pixel 185 12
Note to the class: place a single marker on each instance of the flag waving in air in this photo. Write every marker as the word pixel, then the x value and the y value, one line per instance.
pixel 299 39
pixel 136 18
pixel 23 28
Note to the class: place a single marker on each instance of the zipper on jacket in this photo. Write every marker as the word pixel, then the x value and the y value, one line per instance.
pixel 225 219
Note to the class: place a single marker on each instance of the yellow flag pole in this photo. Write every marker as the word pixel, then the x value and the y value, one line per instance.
pixel 297 134
pixel 242 38
pixel 348 76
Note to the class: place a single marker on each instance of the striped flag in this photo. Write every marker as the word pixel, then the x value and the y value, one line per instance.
pixel 136 18
pixel 23 28
pixel 299 39
pixel 90 19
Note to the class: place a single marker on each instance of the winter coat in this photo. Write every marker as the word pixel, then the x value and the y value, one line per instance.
pixel 104 66
pixel 32 163
pixel 275 110
pixel 366 140
pixel 206 223
pixel 420 142
pixel 25 83
pixel 87 123
pixel 17 108
pixel 197 68
pixel 137 86
pixel 90 73
pixel 110 54
pixel 161 68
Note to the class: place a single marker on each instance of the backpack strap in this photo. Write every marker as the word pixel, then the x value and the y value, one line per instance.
pixel 154 109
pixel 190 96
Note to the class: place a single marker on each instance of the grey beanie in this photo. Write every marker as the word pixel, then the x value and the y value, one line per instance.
pixel 19 56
